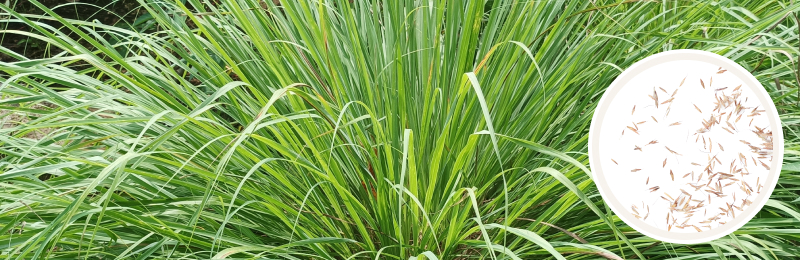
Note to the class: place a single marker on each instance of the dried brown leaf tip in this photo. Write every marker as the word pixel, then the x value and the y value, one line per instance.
pixel 636 170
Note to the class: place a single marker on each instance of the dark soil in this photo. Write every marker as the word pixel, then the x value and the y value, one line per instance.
pixel 110 12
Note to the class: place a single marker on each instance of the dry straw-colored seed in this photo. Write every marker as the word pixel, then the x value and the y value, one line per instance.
pixel 710 180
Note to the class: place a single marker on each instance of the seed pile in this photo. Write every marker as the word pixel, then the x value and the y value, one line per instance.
pixel 705 181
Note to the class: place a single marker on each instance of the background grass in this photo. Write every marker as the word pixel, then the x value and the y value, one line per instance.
pixel 365 130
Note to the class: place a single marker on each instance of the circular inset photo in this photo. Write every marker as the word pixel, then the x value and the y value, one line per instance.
pixel 685 146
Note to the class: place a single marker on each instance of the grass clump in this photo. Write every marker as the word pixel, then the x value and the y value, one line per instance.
pixel 353 130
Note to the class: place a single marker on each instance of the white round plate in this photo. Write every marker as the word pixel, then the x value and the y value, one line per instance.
pixel 677 162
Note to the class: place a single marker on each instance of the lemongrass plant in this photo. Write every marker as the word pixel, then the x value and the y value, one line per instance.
pixel 354 129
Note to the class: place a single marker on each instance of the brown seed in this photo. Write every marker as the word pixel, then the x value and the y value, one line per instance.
pixel 726 129
pixel 697 228
pixel 737 87
pixel 665 163
pixel 673 92
pixel 720 147
pixel 676 123
pixel 765 166
pixel 615 162
pixel 698 109
pixel 684 79
pixel 654 97
pixel 671 151
pixel 730 125
pixel 671 175
pixel 662 89
pixel 721 71
pixel 636 170
pixel 701 84
pixel 648 180
pixel 654 119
